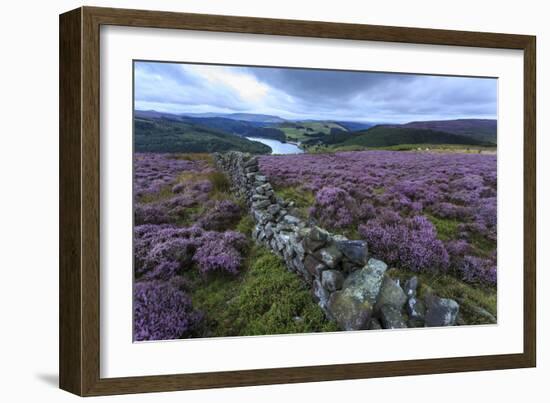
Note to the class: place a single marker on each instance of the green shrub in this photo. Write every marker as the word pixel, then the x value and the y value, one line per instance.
pixel 273 300
pixel 245 225
pixel 220 182
pixel 266 299
pixel 446 228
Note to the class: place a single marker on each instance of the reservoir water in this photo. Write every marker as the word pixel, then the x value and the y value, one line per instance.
pixel 278 147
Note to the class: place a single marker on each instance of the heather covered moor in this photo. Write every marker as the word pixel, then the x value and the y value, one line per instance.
pixel 429 213
pixel 197 273
pixel 421 211
pixel 273 201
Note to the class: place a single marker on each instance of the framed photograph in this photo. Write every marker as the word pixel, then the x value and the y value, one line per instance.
pixel 249 201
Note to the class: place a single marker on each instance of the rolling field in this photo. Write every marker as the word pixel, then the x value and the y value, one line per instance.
pixel 301 131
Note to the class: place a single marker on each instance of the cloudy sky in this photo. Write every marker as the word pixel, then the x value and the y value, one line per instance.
pixel 311 94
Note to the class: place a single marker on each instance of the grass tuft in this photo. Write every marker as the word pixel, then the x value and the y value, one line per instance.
pixel 265 299
pixel 245 225
pixel 220 182
pixel 196 157
pixel 303 199
pixel 447 229
pixel 482 245
pixel 164 194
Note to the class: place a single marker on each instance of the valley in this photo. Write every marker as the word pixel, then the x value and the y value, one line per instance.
pixel 264 134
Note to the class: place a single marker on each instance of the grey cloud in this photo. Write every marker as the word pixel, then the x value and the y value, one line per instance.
pixel 322 94
pixel 311 83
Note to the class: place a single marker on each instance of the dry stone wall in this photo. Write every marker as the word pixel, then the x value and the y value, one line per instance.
pixel 352 288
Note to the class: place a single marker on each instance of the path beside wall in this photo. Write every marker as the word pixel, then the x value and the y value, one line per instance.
pixel 352 288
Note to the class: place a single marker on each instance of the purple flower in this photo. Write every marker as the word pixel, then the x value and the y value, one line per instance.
pixel 220 215
pixel 334 207
pixel 411 243
pixel 220 252
pixel 451 211
pixel 474 269
pixel 153 172
pixel 163 311
pixel 457 249
pixel 178 188
pixel 383 191
pixel 162 251
pixel 150 214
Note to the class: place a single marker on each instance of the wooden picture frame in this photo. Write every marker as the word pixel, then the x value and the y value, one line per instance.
pixel 79 349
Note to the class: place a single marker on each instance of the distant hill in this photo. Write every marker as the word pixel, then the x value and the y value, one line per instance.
pixel 245 117
pixel 252 117
pixel 224 124
pixel 322 133
pixel 479 129
pixel 384 136
pixel 355 126
pixel 162 134
pixel 238 127
pixel 154 114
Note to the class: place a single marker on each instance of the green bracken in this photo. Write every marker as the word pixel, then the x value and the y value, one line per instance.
pixel 245 225
pixel 273 300
pixel 447 229
pixel 220 182
pixel 265 299
pixel 189 215
pixel 163 194
pixel 482 245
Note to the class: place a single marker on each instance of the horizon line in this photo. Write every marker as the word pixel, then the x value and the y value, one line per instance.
pixel 222 114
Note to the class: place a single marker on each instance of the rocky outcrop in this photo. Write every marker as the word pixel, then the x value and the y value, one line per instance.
pixel 352 288
pixel 440 311
pixel 391 294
